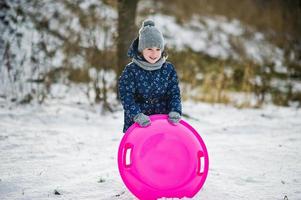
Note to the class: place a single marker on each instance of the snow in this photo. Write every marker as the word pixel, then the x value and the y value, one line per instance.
pixel 27 44
pixel 214 36
pixel 67 145
pixel 70 146
pixel 201 37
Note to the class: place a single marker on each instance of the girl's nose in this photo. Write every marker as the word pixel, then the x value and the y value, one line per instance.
pixel 153 52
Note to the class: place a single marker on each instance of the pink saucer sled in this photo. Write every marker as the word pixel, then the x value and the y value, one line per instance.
pixel 163 160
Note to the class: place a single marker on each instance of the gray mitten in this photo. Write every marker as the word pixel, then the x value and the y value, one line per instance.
pixel 142 119
pixel 174 117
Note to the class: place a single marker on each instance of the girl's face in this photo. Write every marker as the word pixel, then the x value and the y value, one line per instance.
pixel 152 55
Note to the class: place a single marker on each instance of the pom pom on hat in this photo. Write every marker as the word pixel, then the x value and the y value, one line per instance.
pixel 148 22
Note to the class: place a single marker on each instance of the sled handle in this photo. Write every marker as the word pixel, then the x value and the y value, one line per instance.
pixel 201 163
pixel 127 155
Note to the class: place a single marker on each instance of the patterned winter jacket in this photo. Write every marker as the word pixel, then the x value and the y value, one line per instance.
pixel 148 92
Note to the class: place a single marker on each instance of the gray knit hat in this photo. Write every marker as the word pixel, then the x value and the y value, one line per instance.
pixel 150 36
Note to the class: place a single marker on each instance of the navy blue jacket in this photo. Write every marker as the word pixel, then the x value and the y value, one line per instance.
pixel 148 92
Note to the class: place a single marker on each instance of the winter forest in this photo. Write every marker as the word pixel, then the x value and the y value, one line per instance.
pixel 61 119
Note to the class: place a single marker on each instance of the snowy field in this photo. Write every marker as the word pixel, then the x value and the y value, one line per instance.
pixel 70 149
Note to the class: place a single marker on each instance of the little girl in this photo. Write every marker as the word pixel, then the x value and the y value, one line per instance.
pixel 149 85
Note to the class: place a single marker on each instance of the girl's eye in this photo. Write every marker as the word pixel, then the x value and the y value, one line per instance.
pixel 158 49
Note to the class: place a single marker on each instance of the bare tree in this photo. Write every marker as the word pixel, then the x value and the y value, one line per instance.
pixel 126 31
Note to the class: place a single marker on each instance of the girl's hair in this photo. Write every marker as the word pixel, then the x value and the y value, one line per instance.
pixel 164 54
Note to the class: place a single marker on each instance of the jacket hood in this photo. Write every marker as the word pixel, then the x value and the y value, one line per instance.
pixel 133 49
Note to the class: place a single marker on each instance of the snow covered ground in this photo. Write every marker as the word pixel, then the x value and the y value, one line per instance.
pixel 71 148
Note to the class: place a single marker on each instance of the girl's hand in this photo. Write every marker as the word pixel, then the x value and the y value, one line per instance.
pixel 174 117
pixel 142 119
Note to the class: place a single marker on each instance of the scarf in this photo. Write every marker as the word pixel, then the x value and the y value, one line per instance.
pixel 149 66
